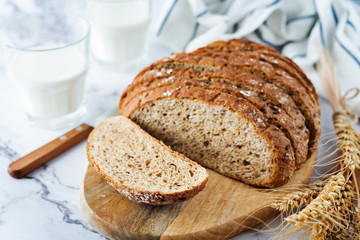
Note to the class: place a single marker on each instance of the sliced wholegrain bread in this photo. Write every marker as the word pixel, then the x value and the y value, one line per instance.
pixel 293 129
pixel 218 130
pixel 308 108
pixel 141 167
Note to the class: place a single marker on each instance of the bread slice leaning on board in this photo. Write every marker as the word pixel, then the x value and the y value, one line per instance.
pixel 141 167
pixel 181 101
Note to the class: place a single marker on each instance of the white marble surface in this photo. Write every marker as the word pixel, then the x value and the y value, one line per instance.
pixel 45 205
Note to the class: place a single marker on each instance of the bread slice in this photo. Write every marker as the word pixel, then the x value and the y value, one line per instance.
pixel 297 134
pixel 141 167
pixel 218 130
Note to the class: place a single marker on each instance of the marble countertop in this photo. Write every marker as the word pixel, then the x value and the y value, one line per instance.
pixel 45 204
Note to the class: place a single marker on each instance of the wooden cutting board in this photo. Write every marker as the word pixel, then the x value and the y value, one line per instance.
pixel 222 210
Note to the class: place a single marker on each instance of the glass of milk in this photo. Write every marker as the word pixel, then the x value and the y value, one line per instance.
pixel 118 32
pixel 46 57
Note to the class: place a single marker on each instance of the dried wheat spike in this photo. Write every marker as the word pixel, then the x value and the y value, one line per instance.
pixel 321 204
pixel 336 223
pixel 299 198
pixel 348 143
pixel 339 215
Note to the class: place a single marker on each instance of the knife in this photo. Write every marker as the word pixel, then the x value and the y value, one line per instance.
pixel 32 161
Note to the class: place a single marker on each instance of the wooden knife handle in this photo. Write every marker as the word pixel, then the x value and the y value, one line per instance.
pixel 25 165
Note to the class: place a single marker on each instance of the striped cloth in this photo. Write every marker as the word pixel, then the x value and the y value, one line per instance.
pixel 291 27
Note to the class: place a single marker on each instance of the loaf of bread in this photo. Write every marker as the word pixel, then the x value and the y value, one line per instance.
pixel 141 167
pixel 237 107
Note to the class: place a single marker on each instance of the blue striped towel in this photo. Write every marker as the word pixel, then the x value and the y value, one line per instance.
pixel 291 27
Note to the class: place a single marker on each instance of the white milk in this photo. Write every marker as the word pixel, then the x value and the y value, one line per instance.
pixel 50 83
pixel 118 29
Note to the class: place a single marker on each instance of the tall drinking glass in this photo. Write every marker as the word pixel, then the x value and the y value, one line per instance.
pixel 46 57
pixel 118 32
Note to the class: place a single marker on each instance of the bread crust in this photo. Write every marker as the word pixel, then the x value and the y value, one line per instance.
pixel 278 66
pixel 284 160
pixel 244 45
pixel 295 130
pixel 137 195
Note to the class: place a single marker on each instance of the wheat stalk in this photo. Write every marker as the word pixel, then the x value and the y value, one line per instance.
pixel 336 223
pixel 299 198
pixel 348 145
pixel 321 204
pixel 332 207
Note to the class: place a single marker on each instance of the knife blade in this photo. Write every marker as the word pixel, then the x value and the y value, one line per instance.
pixel 32 161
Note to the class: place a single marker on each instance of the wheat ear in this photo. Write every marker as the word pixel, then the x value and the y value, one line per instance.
pixel 348 145
pixel 299 198
pixel 336 223
pixel 321 204
pixel 334 212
